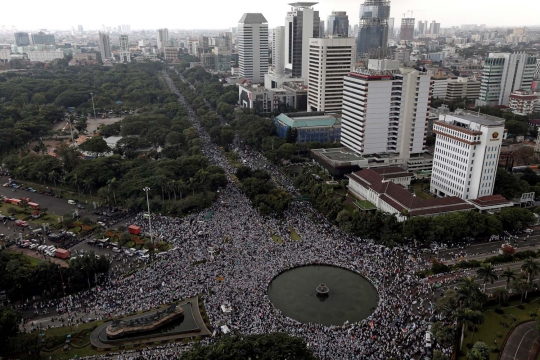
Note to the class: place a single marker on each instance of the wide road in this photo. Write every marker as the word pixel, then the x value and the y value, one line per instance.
pixel 523 343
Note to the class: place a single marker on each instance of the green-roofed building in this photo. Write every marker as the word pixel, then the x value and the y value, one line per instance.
pixel 310 126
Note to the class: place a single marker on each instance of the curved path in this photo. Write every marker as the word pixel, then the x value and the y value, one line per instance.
pixel 523 343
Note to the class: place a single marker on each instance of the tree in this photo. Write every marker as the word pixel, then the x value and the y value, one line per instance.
pixel 487 273
pixel 444 334
pixel 96 145
pixel 501 294
pixel 520 285
pixel 516 128
pixel 479 351
pixel 438 355
pixel 524 155
pixel 274 346
pixel 9 324
pixel 509 274
pixel 531 268
pixel 468 317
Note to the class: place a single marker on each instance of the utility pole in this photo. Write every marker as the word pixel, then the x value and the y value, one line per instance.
pixel 147 189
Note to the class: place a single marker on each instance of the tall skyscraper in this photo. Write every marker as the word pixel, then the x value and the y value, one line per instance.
pixel 22 39
pixel 125 55
pixel 373 31
pixel 338 24
pixel 322 30
pixel 278 50
pixel 301 24
pixel 391 33
pixel 434 28
pixel 330 60
pixel 421 28
pixel 104 46
pixel 253 46
pixel 407 29
pixel 385 109
pixel 162 38
pixel 503 74
pixel 80 29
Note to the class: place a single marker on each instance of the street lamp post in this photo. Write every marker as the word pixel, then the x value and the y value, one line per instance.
pixel 93 107
pixel 147 189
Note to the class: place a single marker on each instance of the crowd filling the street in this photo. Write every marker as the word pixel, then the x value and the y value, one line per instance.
pixel 230 258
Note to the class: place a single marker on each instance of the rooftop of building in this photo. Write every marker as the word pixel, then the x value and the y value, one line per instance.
pixel 252 18
pixel 491 200
pixel 309 119
pixel 339 155
pixel 478 118
pixel 403 200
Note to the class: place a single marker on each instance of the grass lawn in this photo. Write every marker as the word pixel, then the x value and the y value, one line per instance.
pixel 294 235
pixel 365 205
pixel 70 354
pixel 65 330
pixel 419 193
pixel 487 332
pixel 277 239
pixel 33 261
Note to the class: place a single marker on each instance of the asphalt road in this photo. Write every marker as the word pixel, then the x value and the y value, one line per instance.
pixel 523 343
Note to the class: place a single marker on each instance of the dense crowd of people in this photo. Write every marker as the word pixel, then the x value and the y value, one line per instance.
pixel 230 258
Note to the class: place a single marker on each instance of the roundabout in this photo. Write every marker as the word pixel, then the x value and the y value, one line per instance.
pixel 323 294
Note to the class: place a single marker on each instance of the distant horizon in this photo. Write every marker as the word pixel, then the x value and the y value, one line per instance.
pixel 62 15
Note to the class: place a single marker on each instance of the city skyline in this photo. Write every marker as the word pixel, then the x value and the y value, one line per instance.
pixel 216 16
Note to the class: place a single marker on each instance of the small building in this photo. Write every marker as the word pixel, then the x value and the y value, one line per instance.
pixel 310 126
pixel 339 162
pixel 262 100
pixel 523 102
pixel 388 195
pixel 492 203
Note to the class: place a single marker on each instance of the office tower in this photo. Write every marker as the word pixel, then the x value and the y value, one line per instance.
pixel 125 55
pixel 126 29
pixel 407 29
pixel 338 24
pixel 80 29
pixel 523 102
pixel 301 24
pixel 22 39
pixel 466 155
pixel 434 28
pixel 373 29
pixel 462 87
pixel 421 29
pixel 322 31
pixel 162 38
pixel 278 50
pixel 503 74
pixel 253 46
pixel 330 60
pixel 104 46
pixel 385 109
pixel 391 34
pixel 43 39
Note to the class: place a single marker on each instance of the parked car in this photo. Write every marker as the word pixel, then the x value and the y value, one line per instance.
pixel 71 202
pixel 21 223
pixel 116 250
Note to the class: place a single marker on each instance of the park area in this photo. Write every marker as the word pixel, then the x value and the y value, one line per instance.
pixel 497 326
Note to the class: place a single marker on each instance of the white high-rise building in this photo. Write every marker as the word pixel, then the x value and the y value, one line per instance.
pixel 125 55
pixel 503 74
pixel 385 109
pixel 105 46
pixel 466 155
pixel 330 60
pixel 163 38
pixel 301 24
pixel 253 46
pixel 278 50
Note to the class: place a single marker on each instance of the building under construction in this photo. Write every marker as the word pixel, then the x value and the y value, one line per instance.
pixel 373 31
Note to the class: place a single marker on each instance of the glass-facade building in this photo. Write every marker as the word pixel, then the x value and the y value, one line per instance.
pixel 338 24
pixel 373 32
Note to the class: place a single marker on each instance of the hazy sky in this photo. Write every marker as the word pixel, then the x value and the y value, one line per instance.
pixel 221 14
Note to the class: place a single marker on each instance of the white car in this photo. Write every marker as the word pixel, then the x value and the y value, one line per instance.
pixel 116 250
pixel 428 339
pixel 71 202
pixel 33 246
